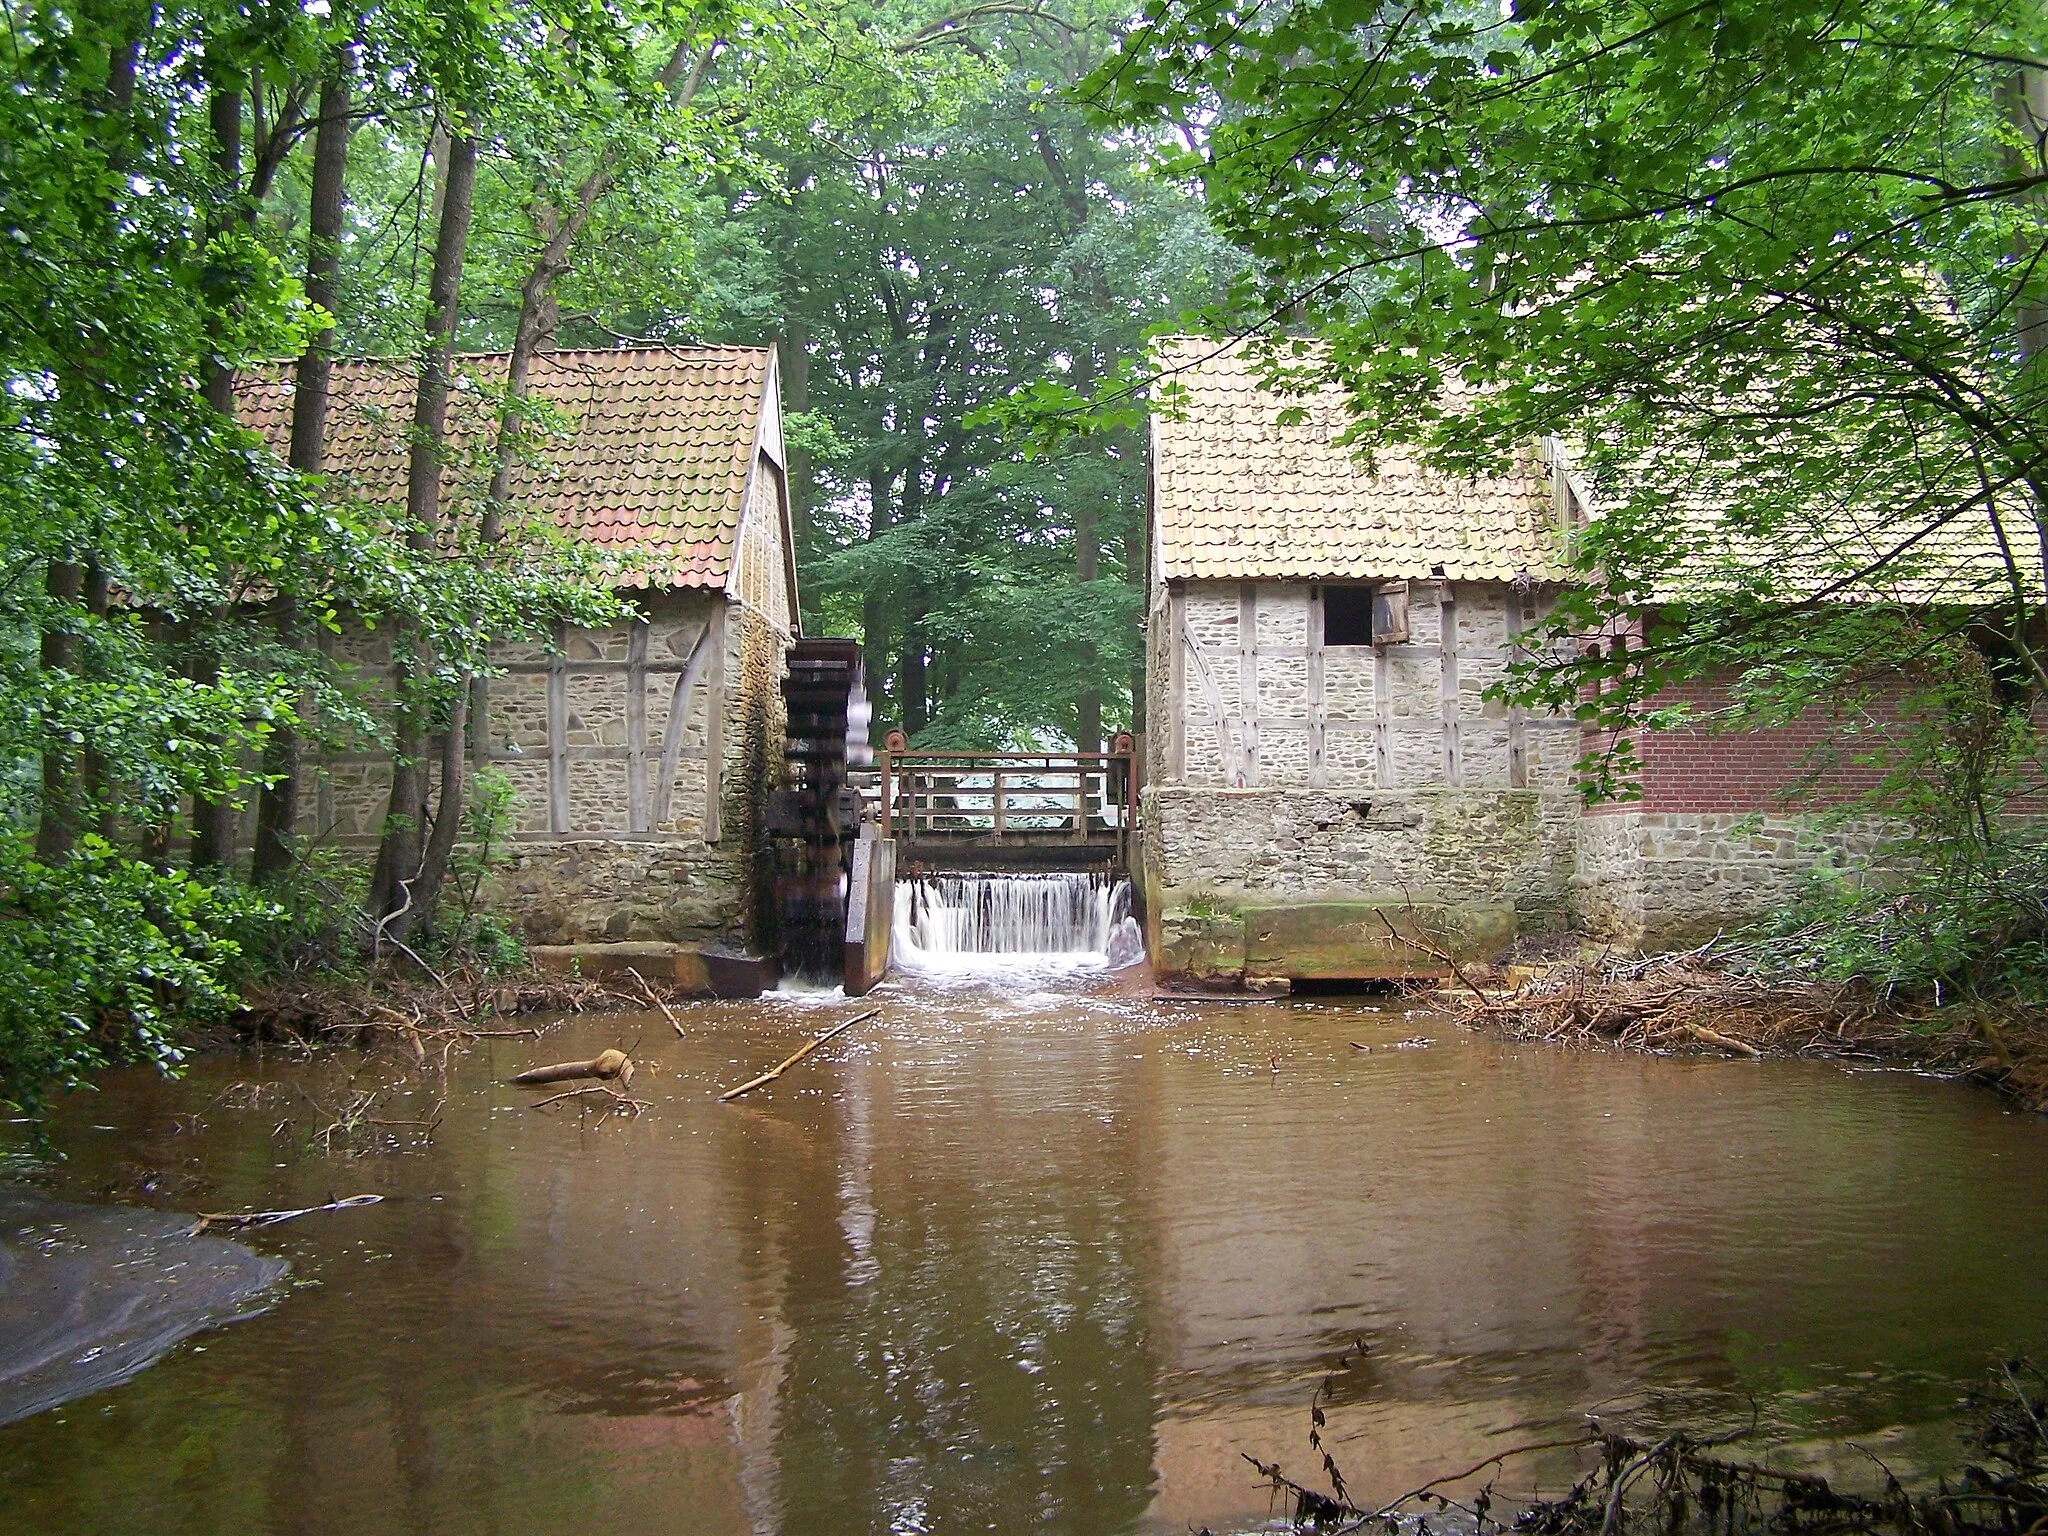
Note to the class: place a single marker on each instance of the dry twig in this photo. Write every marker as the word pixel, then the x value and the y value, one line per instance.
pixel 237 1221
pixel 783 1066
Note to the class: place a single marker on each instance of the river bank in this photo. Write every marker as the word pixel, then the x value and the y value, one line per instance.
pixel 1697 1001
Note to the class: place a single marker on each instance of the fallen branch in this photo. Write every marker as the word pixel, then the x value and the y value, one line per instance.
pixel 655 998
pixel 1725 1042
pixel 621 1103
pixel 1432 951
pixel 237 1221
pixel 809 1046
pixel 605 1064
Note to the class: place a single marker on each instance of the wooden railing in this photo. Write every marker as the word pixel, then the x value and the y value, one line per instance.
pixel 1043 797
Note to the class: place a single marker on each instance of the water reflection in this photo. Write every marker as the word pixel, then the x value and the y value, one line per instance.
pixel 1035 1254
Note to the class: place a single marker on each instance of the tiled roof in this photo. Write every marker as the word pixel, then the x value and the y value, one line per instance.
pixel 651 455
pixel 1238 496
pixel 1876 538
pixel 1241 497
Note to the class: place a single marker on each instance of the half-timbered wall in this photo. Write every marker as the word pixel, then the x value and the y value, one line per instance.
pixel 641 755
pixel 609 732
pixel 763 574
pixel 1247 695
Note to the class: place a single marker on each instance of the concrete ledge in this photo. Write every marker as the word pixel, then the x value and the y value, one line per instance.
pixel 1333 939
pixel 1372 940
pixel 697 972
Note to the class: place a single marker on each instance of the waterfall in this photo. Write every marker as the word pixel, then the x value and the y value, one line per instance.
pixel 1076 916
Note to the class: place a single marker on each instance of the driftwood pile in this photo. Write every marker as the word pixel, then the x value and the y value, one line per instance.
pixel 355 1014
pixel 1680 1484
pixel 1718 999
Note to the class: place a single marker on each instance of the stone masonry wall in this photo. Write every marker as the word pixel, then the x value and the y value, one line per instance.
pixel 1204 846
pixel 1672 879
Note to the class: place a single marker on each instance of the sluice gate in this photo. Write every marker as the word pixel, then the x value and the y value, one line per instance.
pixel 941 858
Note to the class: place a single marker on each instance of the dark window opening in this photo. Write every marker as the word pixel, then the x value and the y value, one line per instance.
pixel 1347 615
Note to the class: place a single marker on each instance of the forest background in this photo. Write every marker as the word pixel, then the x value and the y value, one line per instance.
pixel 1787 256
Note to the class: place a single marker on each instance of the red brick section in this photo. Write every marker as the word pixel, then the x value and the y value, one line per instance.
pixel 1705 771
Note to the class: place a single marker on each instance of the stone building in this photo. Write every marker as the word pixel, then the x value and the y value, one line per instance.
pixel 641 754
pixel 1329 792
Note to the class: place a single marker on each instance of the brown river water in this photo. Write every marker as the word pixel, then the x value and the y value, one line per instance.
pixel 1034 1253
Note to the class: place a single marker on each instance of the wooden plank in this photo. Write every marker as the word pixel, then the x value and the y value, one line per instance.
pixel 714 725
pixel 587 664
pixel 1518 734
pixel 672 749
pixel 636 726
pixel 1177 685
pixel 1248 680
pixel 1447 650
pixel 1382 720
pixel 1317 777
pixel 558 737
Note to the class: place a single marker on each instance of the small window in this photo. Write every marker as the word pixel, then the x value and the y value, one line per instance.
pixel 1366 615
pixel 1347 615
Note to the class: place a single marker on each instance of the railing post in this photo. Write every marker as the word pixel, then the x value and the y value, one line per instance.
pixel 997 803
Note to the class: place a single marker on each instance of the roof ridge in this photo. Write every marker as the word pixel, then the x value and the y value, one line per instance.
pixel 677 351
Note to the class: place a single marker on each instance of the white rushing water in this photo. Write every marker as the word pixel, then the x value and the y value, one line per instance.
pixel 1077 918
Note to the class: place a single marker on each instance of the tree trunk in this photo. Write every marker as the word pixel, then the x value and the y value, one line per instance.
pixel 440 848
pixel 277 813
pixel 97 790
pixel 57 831
pixel 538 318
pixel 1088 701
pixel 874 616
pixel 402 848
pixel 213 821
pixel 795 356
pixel 224 118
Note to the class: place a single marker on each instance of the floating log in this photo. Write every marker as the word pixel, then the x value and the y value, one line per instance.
pixel 605 1064
pixel 781 1067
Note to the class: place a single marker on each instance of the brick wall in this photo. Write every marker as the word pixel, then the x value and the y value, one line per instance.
pixel 1825 758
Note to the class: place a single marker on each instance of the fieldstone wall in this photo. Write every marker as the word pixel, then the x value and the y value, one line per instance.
pixel 1670 879
pixel 589 890
pixel 1514 846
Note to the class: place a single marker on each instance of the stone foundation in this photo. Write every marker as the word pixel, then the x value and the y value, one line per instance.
pixel 1671 879
pixel 1303 883
pixel 592 890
